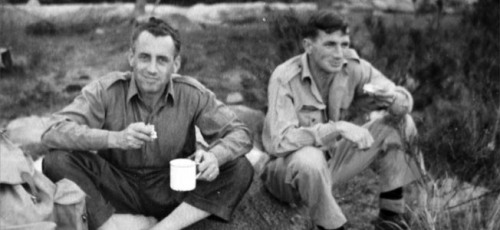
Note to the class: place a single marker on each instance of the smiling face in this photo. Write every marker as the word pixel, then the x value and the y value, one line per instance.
pixel 153 60
pixel 326 51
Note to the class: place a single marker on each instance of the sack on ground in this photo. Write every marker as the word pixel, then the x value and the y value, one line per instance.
pixel 29 200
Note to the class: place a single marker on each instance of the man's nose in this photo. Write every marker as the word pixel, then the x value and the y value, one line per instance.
pixel 152 68
pixel 338 52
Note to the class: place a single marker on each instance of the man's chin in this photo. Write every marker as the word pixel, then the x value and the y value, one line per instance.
pixel 335 69
pixel 149 89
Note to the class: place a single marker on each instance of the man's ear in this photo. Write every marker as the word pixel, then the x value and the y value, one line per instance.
pixel 307 44
pixel 130 57
pixel 177 63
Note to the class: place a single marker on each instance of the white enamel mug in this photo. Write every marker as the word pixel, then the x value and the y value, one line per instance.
pixel 182 175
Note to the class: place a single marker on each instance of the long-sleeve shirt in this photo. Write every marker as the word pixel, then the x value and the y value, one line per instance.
pixel 297 114
pixel 113 102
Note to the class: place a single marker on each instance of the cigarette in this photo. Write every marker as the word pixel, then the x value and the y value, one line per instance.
pixel 153 134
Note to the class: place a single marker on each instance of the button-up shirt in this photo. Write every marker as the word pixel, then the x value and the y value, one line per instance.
pixel 112 103
pixel 297 114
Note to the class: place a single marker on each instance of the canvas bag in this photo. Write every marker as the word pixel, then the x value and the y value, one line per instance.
pixel 29 200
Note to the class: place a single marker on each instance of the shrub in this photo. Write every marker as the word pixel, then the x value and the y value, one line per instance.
pixel 41 28
pixel 456 68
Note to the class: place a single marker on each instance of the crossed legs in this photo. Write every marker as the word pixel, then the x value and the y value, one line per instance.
pixel 111 190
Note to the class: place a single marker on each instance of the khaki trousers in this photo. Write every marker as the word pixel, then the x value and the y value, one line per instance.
pixel 309 174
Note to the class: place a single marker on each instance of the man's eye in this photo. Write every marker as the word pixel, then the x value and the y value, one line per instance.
pixel 143 57
pixel 345 45
pixel 163 60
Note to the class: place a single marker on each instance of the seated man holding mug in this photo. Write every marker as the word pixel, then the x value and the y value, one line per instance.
pixel 139 121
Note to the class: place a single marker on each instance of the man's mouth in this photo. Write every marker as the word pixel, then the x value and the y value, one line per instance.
pixel 149 78
pixel 336 63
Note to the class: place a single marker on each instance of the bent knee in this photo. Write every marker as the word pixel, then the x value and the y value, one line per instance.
pixel 393 134
pixel 309 159
pixel 55 163
pixel 240 170
pixel 55 160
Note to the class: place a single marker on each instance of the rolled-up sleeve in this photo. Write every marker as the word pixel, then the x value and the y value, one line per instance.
pixel 78 126
pixel 227 136
pixel 282 133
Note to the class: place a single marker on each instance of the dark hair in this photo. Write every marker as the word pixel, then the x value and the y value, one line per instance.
pixel 327 21
pixel 157 27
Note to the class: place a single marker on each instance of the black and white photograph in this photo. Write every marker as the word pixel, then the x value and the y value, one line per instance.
pixel 250 114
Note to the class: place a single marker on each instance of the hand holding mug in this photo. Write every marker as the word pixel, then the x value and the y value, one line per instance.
pixel 208 166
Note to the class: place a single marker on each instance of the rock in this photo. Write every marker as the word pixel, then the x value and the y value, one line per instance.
pixel 76 79
pixel 33 3
pixel 20 61
pixel 352 5
pixel 234 98
pixel 84 77
pixel 26 132
pixel 100 31
pixel 237 13
pixel 203 13
pixel 254 119
pixel 181 22
pixel 5 58
pixel 73 88
pixel 40 28
pixel 234 79
pixel 81 76
pixel 258 159
pixel 405 6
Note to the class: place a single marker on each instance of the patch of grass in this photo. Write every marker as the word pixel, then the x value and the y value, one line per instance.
pixel 42 63
pixel 453 72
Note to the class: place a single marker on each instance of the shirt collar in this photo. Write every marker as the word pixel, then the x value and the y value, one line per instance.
pixel 133 90
pixel 306 72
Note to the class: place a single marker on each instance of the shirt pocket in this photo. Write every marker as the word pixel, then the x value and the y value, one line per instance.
pixel 310 115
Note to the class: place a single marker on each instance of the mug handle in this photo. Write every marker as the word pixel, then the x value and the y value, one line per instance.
pixel 199 173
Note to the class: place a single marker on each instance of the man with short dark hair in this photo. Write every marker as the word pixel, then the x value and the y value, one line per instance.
pixel 314 138
pixel 138 122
